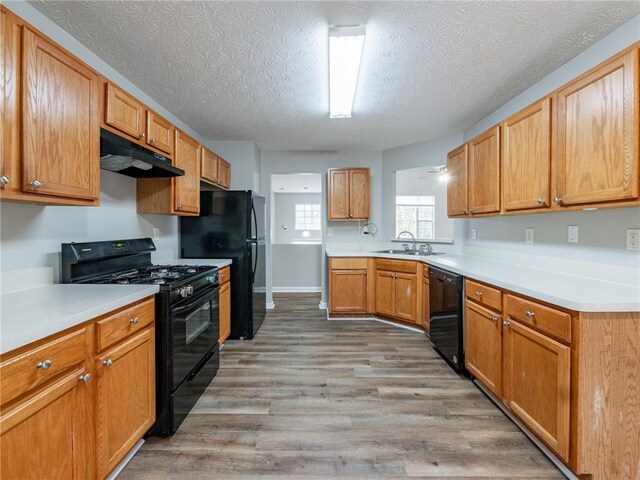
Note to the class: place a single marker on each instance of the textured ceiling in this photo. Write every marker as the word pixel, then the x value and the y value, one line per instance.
pixel 258 70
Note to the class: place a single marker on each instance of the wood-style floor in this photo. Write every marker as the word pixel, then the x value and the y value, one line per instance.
pixel 311 398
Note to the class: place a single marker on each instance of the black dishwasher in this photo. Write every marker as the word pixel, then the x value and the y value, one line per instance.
pixel 445 319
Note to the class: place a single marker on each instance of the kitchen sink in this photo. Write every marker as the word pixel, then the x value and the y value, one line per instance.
pixel 408 252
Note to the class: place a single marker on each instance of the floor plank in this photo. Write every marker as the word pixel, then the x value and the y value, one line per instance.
pixel 310 398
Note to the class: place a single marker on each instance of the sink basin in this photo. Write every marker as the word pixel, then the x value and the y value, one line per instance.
pixel 404 252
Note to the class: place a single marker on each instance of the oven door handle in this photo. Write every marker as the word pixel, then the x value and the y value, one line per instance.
pixel 194 302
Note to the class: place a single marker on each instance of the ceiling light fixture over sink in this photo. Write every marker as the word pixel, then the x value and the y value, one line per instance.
pixel 345 52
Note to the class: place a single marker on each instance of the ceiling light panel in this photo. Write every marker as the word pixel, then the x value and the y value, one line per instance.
pixel 345 52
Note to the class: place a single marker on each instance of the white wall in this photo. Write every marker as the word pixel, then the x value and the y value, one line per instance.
pixel 307 274
pixel 31 235
pixel 284 214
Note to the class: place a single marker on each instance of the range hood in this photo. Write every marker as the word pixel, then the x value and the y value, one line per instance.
pixel 120 155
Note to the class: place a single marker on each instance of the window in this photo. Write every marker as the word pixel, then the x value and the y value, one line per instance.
pixel 308 216
pixel 416 215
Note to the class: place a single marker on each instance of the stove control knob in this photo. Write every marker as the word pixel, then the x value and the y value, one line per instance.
pixel 190 287
pixel 184 293
pixel 211 279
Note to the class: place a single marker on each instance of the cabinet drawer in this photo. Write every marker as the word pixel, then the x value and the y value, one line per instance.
pixel 124 323
pixel 545 319
pixel 483 294
pixel 224 275
pixel 27 371
pixel 396 265
pixel 354 263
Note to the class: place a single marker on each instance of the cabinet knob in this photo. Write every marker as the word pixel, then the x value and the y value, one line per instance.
pixel 529 314
pixel 494 319
pixel 506 323
pixel 541 201
pixel 478 294
pixel 108 362
pixel 153 141
pixel 85 378
pixel 36 184
pixel 558 200
pixel 134 321
pixel 4 180
pixel 179 207
pixel 46 365
pixel 465 211
pixel 142 135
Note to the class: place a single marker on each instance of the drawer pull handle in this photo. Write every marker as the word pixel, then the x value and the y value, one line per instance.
pixel 85 378
pixel 494 319
pixel 478 294
pixel 506 323
pixel 530 314
pixel 4 180
pixel 46 365
pixel 108 362
pixel 134 321
pixel 36 184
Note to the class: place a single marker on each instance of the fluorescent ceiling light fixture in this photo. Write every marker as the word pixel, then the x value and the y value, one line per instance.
pixel 345 52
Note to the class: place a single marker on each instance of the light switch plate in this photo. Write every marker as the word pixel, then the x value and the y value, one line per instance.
pixel 573 234
pixel 474 233
pixel 329 231
pixel 633 238
pixel 528 235
pixel 156 234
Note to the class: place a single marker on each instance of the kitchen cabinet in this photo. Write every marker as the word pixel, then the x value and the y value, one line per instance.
pixel 597 135
pixel 537 378
pixel 385 293
pixel 224 174
pixel 426 310
pixel 406 288
pixel 60 122
pixel 457 188
pixel 484 172
pixel 348 194
pixel 526 158
pixel 348 285
pixel 160 132
pixel 125 397
pixel 397 289
pixel 177 195
pixel 224 276
pixel 483 345
pixel 215 170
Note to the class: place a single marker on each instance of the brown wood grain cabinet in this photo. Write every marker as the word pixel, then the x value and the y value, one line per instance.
pixel 215 170
pixel 79 416
pixel 124 112
pixel 397 294
pixel 426 311
pixel 159 133
pixel 597 135
pixel 349 285
pixel 526 158
pixel 224 174
pixel 348 194
pixel 385 293
pixel 483 345
pixel 225 312
pixel 484 172
pixel 457 188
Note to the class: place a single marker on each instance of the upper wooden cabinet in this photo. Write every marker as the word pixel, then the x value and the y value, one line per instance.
pixel 348 194
pixel 215 170
pixel 224 173
pixel 484 172
pixel 160 132
pixel 526 158
pixel 597 135
pixel 457 189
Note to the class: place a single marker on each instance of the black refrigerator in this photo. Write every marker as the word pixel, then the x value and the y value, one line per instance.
pixel 231 225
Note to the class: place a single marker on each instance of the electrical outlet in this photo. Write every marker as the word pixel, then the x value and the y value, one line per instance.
pixel 474 233
pixel 573 234
pixel 156 234
pixel 633 238
pixel 528 235
pixel 329 231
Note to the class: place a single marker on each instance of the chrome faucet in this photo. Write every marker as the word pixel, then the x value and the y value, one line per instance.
pixel 413 238
pixel 429 249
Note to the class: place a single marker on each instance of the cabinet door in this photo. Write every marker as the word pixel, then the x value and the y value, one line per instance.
pixel 385 293
pixel 338 194
pixel 209 168
pixel 406 297
pixel 597 135
pixel 61 136
pixel 484 172
pixel 537 378
pixel 187 187
pixel 457 188
pixel 426 312
pixel 10 104
pixel 526 158
pixel 359 194
pixel 483 345
pixel 224 173
pixel 126 398
pixel 348 291
pixel 160 132
pixel 124 112
pixel 225 312
pixel 48 435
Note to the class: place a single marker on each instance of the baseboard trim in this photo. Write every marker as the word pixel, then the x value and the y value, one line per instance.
pixel 271 305
pixel 548 453
pixel 376 319
pixel 296 289
pixel 322 306
pixel 126 460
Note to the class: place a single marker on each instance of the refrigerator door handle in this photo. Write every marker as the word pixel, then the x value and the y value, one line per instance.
pixel 255 220
pixel 255 265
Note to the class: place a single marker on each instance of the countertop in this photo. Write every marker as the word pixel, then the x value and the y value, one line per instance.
pixel 35 313
pixel 574 292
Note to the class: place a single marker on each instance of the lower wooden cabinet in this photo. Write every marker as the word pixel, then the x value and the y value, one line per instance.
pixel 406 291
pixel 47 436
pixel 537 379
pixel 483 345
pixel 385 293
pixel 426 310
pixel 225 312
pixel 348 291
pixel 126 398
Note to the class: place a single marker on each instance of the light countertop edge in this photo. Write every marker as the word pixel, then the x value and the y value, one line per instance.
pixel 580 294
pixel 36 313
pixel 214 262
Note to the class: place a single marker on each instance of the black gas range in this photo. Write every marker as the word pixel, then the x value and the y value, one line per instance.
pixel 187 317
